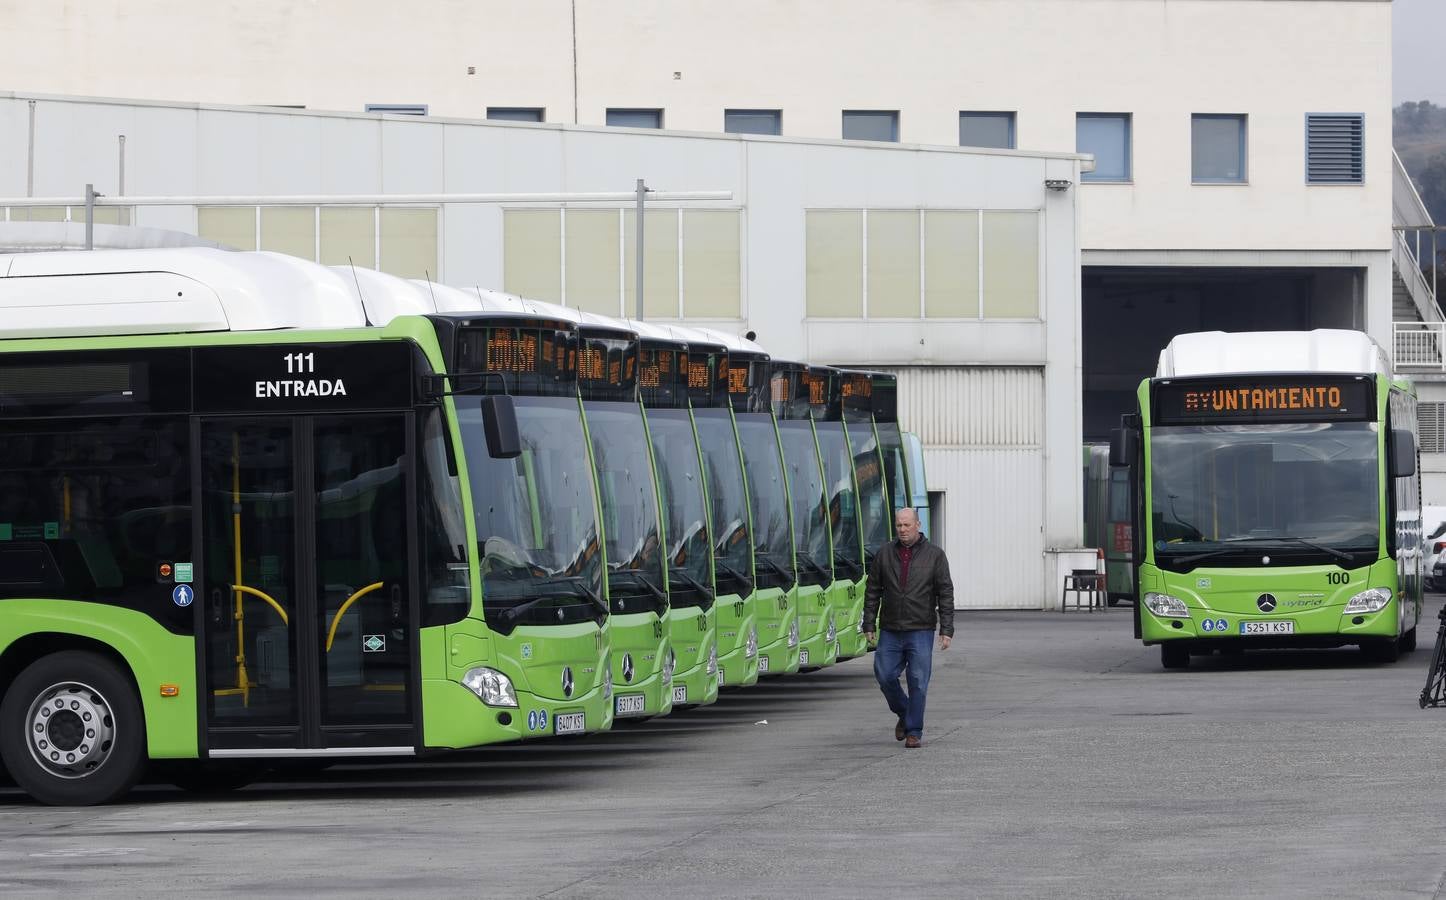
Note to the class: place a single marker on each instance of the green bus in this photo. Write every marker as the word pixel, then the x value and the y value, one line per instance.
pixel 709 372
pixel 1107 520
pixel 247 525
pixel 790 386
pixel 643 660
pixel 775 578
pixel 1275 496
pixel 666 385
pixel 875 528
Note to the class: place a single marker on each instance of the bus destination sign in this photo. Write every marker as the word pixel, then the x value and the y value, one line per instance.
pixel 1265 399
pixel 366 375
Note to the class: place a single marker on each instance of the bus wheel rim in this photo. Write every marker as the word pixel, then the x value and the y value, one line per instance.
pixel 71 730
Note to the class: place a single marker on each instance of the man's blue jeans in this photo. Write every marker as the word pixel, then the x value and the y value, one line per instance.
pixel 897 651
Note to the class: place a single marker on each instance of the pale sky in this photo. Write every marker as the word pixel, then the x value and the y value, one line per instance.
pixel 1419 39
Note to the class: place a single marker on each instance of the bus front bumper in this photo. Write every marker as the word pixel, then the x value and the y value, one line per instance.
pixel 454 717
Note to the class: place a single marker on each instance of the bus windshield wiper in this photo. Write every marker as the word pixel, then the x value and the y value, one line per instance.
pixel 1258 542
pixel 635 578
pixel 773 564
pixel 743 580
pixel 823 573
pixel 1343 557
pixel 682 575
pixel 553 591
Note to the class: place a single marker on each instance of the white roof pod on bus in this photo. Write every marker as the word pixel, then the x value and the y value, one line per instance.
pixel 73 293
pixel 1321 350
pixel 731 341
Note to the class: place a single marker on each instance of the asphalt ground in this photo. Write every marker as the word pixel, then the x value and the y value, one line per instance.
pixel 1059 760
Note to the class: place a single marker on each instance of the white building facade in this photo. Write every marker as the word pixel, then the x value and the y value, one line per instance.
pixel 1244 178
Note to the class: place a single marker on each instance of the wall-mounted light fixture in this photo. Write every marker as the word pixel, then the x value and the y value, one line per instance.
pixel 1058 184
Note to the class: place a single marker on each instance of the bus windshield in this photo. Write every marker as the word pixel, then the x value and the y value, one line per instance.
pixel 870 474
pixel 843 510
pixel 536 516
pixel 1290 485
pixel 892 444
pixel 680 479
pixel 805 484
pixel 629 506
pixel 768 495
pixel 732 540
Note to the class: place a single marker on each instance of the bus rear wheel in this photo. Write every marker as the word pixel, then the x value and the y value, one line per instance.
pixel 71 730
pixel 1174 655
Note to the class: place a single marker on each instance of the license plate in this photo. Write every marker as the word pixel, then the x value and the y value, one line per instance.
pixel 569 723
pixel 680 693
pixel 629 704
pixel 1274 626
pixel 803 657
pixel 762 665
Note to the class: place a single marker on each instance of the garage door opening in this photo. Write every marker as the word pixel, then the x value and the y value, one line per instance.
pixel 1130 313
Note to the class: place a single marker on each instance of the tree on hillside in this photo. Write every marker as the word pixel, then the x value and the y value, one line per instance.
pixel 1417 119
pixel 1431 183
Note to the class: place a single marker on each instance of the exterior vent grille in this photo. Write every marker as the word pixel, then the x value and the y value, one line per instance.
pixel 1335 148
pixel 1432 419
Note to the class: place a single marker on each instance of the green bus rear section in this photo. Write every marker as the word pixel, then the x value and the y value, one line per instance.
pixel 1313 597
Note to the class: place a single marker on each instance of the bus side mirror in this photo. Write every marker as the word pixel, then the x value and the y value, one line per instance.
pixel 1403 453
pixel 1122 447
pixel 499 424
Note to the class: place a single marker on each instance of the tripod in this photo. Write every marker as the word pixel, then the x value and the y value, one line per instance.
pixel 1434 694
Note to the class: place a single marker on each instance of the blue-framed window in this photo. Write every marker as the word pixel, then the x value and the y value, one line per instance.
pixel 1218 149
pixel 986 129
pixel 871 124
pixel 753 121
pixel 1107 136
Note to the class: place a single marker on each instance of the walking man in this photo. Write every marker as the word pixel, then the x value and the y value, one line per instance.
pixel 910 593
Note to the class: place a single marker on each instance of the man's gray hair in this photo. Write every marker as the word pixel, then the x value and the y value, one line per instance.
pixel 913 513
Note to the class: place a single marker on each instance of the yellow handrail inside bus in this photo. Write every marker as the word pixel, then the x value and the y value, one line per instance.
pixel 336 619
pixel 244 589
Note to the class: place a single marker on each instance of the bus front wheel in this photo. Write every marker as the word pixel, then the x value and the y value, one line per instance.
pixel 1381 650
pixel 71 730
pixel 1174 655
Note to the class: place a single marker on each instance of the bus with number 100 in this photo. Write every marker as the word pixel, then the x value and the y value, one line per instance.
pixel 1275 496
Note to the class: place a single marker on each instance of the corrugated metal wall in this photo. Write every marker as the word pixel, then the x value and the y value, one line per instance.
pixel 982 430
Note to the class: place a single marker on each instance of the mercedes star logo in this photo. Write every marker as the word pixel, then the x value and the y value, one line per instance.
pixel 567 681
pixel 627 667
pixel 1266 603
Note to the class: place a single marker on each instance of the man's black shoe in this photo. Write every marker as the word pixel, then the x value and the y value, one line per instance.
pixel 899 731
pixel 913 743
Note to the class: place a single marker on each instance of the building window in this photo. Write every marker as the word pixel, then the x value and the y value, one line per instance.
pixel 408 239
pixel 584 258
pixel 515 113
pixel 635 118
pixel 398 109
pixel 1335 148
pixel 1217 149
pixel 753 121
pixel 871 124
pixel 1107 136
pixel 986 129
pixel 911 264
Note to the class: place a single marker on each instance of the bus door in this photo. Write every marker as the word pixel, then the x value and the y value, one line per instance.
pixel 304 586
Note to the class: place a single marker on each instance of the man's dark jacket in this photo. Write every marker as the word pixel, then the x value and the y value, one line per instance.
pixel 926 601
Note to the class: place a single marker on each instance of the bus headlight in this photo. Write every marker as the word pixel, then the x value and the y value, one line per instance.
pixel 491 686
pixel 1166 606
pixel 1369 601
pixel 793 633
pixel 712 668
pixel 670 665
pixel 607 690
pixel 750 647
pixel 832 630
